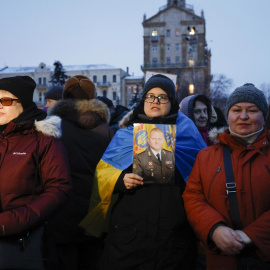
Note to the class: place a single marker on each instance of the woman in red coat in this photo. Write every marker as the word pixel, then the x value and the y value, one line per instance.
pixel 34 173
pixel 206 200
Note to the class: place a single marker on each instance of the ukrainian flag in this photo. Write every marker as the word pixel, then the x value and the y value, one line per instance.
pixel 119 156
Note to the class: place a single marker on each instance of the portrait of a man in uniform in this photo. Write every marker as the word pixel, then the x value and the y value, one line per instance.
pixel 155 164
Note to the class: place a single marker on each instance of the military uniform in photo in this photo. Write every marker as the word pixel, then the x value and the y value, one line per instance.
pixel 153 170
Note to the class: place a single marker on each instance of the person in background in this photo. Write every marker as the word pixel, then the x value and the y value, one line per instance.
pixel 54 94
pixel 198 108
pixel 218 119
pixel 267 121
pixel 147 227
pixel 34 173
pixel 206 197
pixel 86 135
pixel 117 113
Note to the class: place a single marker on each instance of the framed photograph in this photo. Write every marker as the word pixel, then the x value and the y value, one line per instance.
pixel 154 153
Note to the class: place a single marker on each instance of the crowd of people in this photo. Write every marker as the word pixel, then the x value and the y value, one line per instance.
pixel 70 172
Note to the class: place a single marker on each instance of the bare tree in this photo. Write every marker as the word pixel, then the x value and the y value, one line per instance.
pixel 266 89
pixel 220 86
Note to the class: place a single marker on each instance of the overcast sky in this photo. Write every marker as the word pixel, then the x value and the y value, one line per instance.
pixel 78 32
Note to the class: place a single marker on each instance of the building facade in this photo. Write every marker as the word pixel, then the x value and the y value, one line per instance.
pixel 175 42
pixel 109 80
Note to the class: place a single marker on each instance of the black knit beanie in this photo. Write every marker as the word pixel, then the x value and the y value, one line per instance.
pixel 55 92
pixel 248 93
pixel 161 81
pixel 20 86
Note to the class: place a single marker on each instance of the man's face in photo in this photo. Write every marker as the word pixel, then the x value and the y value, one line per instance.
pixel 156 140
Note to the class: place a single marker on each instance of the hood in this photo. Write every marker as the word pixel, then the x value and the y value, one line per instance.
pixel 187 104
pixel 84 113
pixel 125 120
pixel 51 126
pixel 214 133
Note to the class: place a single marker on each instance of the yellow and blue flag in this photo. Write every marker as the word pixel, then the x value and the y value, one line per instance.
pixel 119 156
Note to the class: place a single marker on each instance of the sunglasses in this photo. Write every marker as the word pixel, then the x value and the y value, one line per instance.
pixel 6 101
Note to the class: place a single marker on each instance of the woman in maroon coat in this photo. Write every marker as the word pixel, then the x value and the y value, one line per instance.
pixel 34 174
pixel 246 246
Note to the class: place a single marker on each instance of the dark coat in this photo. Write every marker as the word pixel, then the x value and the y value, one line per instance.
pixel 117 116
pixel 86 135
pixel 148 228
pixel 22 147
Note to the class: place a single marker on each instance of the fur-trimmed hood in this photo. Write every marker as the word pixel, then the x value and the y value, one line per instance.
pixel 84 113
pixel 124 122
pixel 214 132
pixel 50 126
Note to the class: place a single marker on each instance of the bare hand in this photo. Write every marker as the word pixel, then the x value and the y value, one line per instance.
pixel 245 238
pixel 132 180
pixel 227 240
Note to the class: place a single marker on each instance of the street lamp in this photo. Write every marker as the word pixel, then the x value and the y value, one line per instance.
pixel 191 88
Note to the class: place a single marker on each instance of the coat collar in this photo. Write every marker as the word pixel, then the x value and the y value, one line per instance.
pixel 49 127
pixel 85 113
pixel 223 136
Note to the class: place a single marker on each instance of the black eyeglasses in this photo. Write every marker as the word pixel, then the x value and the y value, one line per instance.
pixel 163 99
pixel 7 101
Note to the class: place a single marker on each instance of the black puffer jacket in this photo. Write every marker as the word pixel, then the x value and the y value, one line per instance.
pixel 85 135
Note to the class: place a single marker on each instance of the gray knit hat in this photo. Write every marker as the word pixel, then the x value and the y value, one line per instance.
pixel 248 93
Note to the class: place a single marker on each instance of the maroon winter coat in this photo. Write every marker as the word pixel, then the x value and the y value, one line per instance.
pixel 22 146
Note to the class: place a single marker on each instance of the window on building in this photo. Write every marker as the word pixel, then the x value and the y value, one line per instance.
pixel 114 95
pixel 40 96
pixel 177 32
pixel 104 79
pixel 168 33
pixel 94 79
pixel 168 47
pixel 154 48
pixel 39 81
pixel 177 47
pixel 154 62
pixel 114 78
pixel 154 36
pixel 177 60
pixel 154 33
pixel 191 62
pixel 44 81
pixel 168 60
pixel 104 93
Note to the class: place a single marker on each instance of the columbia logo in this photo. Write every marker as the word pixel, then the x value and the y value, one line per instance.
pixel 19 153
